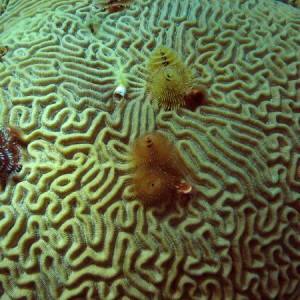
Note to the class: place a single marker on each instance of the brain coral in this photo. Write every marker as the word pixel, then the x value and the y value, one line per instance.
pixel 292 2
pixel 70 228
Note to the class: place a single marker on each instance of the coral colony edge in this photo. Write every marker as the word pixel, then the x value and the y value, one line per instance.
pixel 150 149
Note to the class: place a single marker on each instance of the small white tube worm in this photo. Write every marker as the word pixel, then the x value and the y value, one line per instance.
pixel 120 91
pixel 121 88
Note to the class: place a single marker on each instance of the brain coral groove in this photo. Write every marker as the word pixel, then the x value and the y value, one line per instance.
pixel 71 228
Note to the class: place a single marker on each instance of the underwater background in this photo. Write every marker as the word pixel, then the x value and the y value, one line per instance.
pixel 70 225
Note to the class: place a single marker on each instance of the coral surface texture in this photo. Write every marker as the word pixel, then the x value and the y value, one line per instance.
pixel 71 227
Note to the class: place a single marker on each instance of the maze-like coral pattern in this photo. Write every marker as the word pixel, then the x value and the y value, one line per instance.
pixel 295 3
pixel 70 228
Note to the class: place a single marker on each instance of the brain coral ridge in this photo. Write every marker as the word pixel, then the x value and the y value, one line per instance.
pixel 70 227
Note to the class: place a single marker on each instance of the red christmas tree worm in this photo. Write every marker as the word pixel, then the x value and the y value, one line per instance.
pixel 11 139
